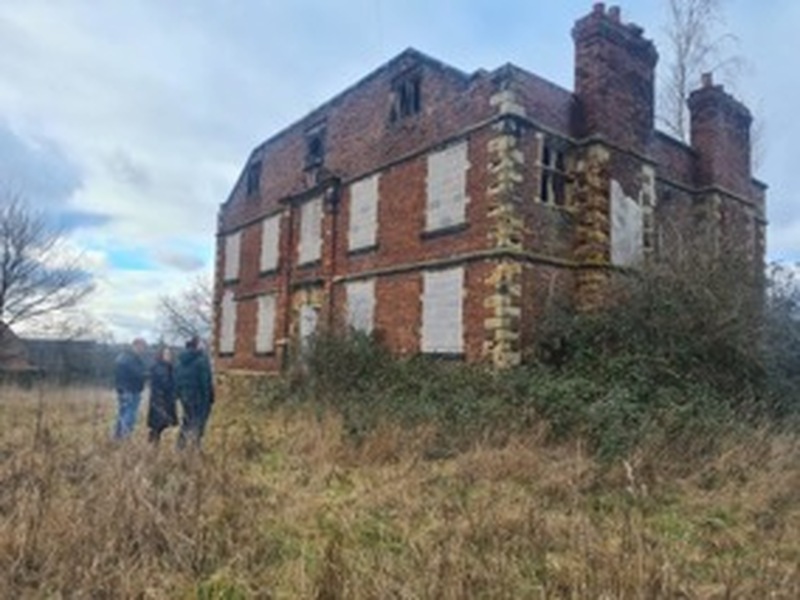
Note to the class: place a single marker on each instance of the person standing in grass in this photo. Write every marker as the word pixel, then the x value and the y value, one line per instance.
pixel 162 411
pixel 195 390
pixel 129 378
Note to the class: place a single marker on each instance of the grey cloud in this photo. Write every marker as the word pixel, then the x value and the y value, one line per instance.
pixel 182 261
pixel 129 172
pixel 38 171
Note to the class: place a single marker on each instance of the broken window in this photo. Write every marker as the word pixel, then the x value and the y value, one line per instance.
pixel 315 146
pixel 406 96
pixel 552 177
pixel 253 177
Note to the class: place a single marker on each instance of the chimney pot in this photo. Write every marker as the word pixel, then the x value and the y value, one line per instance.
pixel 615 14
pixel 707 79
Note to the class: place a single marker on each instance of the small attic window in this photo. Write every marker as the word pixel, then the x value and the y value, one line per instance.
pixel 315 146
pixel 253 177
pixel 406 96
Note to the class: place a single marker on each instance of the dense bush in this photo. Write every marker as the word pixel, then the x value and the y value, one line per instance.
pixel 686 353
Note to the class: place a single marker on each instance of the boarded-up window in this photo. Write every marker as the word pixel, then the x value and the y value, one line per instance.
pixel 265 329
pixel 227 326
pixel 361 305
pixel 627 228
pixel 233 243
pixel 363 213
pixel 442 308
pixel 270 238
pixel 447 188
pixel 311 231
pixel 308 325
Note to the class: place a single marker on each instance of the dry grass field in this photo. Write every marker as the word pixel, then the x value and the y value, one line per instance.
pixel 281 505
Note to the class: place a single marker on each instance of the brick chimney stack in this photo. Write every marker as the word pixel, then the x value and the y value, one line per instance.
pixel 614 78
pixel 720 133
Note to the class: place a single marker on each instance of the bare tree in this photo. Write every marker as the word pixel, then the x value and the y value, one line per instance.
pixel 39 274
pixel 189 312
pixel 694 47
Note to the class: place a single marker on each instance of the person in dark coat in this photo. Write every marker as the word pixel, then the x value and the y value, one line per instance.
pixel 130 374
pixel 162 410
pixel 195 390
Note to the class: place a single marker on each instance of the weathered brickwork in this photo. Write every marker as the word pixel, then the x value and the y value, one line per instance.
pixel 529 196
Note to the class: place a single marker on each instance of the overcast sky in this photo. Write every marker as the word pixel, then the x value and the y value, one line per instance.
pixel 128 121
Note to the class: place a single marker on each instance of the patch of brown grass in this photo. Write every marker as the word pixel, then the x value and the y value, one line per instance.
pixel 281 505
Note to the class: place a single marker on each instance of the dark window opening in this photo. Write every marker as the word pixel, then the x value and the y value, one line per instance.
pixel 253 178
pixel 552 180
pixel 406 97
pixel 315 147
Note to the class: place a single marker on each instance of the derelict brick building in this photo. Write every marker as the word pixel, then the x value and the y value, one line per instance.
pixel 445 211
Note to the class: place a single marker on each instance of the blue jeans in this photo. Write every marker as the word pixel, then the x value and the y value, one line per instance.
pixel 128 411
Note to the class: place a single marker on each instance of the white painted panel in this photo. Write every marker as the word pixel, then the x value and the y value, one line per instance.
pixel 308 324
pixel 442 311
pixel 265 329
pixel 627 228
pixel 447 187
pixel 361 305
pixel 363 213
pixel 311 231
pixel 227 328
pixel 233 244
pixel 270 239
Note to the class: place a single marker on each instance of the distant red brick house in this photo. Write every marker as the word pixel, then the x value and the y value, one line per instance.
pixel 445 211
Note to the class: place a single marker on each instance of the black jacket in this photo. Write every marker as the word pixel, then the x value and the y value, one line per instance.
pixel 129 372
pixel 193 382
pixel 161 413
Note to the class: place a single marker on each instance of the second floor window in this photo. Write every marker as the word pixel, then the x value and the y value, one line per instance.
pixel 233 244
pixel 552 176
pixel 447 188
pixel 363 213
pixel 310 231
pixel 270 243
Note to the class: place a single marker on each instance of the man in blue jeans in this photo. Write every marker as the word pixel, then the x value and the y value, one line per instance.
pixel 130 373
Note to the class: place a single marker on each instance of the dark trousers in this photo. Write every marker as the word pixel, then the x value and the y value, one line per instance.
pixel 193 424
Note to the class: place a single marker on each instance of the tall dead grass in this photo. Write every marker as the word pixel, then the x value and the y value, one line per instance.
pixel 281 505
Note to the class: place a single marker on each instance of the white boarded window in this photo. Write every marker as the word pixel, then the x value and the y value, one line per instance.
pixel 233 244
pixel 361 305
pixel 363 213
pixel 227 327
pixel 311 231
pixel 627 228
pixel 447 187
pixel 265 328
pixel 308 325
pixel 442 309
pixel 270 238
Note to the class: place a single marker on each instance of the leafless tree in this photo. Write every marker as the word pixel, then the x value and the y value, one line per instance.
pixel 694 46
pixel 39 274
pixel 189 312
